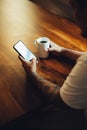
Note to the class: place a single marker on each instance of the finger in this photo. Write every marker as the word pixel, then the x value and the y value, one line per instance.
pixel 50 49
pixel 46 49
pixel 25 67
pixel 34 60
pixel 22 59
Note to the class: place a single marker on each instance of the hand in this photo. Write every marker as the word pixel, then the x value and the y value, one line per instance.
pixel 29 66
pixel 56 49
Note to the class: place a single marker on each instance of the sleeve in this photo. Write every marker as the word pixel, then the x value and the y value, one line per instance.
pixel 74 90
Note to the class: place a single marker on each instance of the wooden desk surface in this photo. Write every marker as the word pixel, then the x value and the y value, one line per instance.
pixel 23 20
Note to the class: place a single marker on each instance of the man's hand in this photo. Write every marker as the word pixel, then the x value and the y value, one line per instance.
pixel 56 49
pixel 29 66
pixel 47 88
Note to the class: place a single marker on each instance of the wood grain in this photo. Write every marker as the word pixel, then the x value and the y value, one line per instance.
pixel 23 20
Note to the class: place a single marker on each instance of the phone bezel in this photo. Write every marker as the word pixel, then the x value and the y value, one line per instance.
pixel 19 52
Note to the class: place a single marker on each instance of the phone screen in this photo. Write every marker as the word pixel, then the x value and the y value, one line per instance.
pixel 23 51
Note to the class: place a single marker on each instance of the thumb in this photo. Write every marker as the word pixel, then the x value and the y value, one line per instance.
pixel 34 61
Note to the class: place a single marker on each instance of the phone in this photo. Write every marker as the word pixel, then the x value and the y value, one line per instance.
pixel 23 51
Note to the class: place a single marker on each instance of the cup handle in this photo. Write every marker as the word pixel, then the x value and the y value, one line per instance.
pixel 35 43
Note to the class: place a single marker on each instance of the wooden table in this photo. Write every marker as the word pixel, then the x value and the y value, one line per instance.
pixel 23 20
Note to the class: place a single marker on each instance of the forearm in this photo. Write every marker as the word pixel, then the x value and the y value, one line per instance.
pixel 72 54
pixel 49 89
pixel 59 50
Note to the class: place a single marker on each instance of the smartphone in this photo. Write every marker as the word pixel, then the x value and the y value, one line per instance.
pixel 23 51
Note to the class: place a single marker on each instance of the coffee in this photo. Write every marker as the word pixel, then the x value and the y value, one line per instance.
pixel 43 41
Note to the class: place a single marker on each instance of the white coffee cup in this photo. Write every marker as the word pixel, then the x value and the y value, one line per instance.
pixel 42 45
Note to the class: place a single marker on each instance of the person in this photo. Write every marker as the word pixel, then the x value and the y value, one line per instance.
pixel 71 97
pixel 73 92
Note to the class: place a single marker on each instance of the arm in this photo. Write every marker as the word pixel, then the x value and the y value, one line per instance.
pixel 49 89
pixel 72 54
pixel 59 50
pixel 74 89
